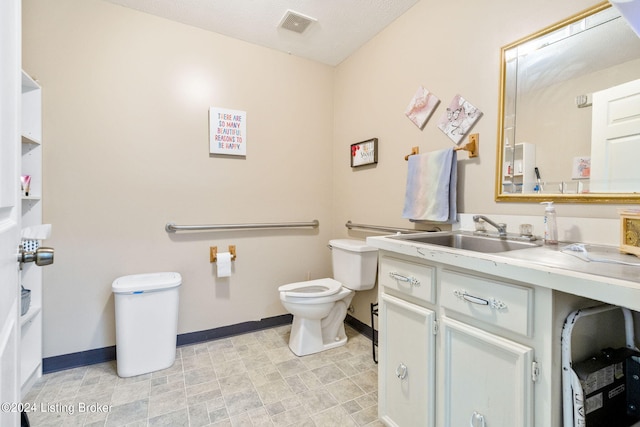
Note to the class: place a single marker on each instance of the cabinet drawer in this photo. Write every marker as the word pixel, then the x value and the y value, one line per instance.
pixel 497 303
pixel 408 277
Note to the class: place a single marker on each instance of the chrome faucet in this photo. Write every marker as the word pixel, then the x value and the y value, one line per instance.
pixel 502 227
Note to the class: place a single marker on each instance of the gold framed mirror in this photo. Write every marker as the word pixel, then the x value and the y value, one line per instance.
pixel 559 86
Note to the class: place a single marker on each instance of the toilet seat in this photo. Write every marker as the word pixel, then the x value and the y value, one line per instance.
pixel 311 288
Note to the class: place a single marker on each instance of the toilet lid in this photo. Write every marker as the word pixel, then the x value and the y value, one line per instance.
pixel 312 288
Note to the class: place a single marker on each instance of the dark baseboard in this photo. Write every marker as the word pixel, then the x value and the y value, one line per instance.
pixel 231 330
pixel 359 326
pixel 106 354
pixel 74 360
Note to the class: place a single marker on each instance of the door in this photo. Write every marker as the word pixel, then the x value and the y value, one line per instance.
pixel 406 364
pixel 10 89
pixel 615 139
pixel 485 379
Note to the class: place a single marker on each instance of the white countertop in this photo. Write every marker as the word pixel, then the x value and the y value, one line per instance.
pixel 545 266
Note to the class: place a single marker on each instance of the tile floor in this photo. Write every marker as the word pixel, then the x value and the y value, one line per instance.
pixel 246 380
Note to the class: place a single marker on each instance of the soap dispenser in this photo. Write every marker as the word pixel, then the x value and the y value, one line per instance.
pixel 550 224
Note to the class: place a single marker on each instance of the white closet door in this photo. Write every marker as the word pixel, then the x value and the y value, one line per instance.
pixel 615 139
pixel 10 83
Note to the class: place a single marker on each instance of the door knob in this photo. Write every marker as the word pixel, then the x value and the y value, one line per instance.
pixel 477 416
pixel 401 371
pixel 42 256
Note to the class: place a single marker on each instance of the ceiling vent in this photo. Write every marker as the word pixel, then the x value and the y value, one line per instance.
pixel 296 22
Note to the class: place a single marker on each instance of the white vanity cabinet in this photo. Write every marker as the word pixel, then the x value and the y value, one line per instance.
pixel 406 361
pixel 485 378
pixel 497 320
pixel 474 334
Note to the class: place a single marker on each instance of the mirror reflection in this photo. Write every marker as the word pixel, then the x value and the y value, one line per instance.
pixel 570 112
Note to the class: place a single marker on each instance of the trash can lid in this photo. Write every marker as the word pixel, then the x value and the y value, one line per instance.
pixel 146 282
pixel 352 245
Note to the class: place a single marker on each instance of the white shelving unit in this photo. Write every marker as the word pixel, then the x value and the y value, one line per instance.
pixel 31 277
pixel 518 169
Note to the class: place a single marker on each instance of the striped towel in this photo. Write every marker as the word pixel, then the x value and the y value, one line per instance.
pixel 431 187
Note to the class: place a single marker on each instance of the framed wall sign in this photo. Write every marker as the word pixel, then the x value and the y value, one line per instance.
pixel 227 131
pixel 364 153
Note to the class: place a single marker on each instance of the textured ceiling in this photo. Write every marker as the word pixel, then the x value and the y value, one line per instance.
pixel 342 25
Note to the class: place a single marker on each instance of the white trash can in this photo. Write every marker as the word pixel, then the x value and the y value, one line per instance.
pixel 146 322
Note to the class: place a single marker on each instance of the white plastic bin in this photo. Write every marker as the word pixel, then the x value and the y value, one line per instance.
pixel 146 322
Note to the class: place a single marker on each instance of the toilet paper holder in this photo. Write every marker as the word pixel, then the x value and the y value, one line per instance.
pixel 213 253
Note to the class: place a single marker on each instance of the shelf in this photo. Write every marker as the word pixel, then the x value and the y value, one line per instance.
pixel 28 139
pixel 34 310
pixel 31 347
pixel 520 157
pixel 30 371
pixel 28 83
pixel 31 275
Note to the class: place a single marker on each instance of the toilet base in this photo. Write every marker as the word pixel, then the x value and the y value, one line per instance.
pixel 306 337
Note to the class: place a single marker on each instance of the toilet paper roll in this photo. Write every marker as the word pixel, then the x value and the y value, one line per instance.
pixel 224 264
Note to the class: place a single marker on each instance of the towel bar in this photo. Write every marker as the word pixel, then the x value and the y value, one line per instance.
pixel 471 147
pixel 414 150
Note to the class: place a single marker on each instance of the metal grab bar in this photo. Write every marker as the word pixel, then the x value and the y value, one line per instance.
pixel 171 227
pixel 350 225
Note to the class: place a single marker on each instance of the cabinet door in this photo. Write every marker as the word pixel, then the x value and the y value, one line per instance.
pixel 406 364
pixel 485 379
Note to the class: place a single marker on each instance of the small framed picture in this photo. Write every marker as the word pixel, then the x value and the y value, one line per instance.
pixel 630 232
pixel 581 168
pixel 364 153
pixel 458 119
pixel 421 107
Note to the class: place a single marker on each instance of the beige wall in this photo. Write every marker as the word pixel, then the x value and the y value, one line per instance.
pixel 126 99
pixel 125 124
pixel 450 48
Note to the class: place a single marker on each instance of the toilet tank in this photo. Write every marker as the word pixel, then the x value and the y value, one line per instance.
pixel 354 263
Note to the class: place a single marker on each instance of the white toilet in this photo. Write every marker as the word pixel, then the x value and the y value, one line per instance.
pixel 319 307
